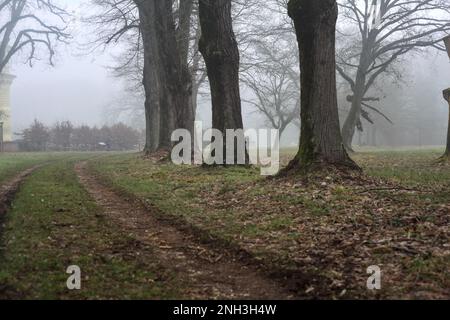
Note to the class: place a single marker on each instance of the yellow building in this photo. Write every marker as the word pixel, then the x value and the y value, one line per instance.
pixel 5 108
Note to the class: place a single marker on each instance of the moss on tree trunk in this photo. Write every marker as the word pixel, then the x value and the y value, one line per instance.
pixel 321 142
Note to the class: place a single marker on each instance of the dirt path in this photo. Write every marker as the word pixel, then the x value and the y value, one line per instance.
pixel 9 188
pixel 209 274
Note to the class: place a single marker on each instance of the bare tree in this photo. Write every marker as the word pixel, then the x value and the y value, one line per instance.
pixel 36 137
pixel 167 80
pixel 320 139
pixel 26 29
pixel 160 38
pixel 61 135
pixel 379 33
pixel 273 80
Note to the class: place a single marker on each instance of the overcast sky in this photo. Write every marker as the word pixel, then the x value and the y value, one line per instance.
pixel 79 87
pixel 76 89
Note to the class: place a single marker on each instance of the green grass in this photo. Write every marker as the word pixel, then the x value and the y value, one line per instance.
pixel 178 189
pixel 329 230
pixel 13 163
pixel 409 167
pixel 175 189
pixel 53 224
pixel 287 224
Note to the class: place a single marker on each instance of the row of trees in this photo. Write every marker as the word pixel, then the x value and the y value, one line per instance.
pixel 64 136
pixel 170 38
pixel 168 35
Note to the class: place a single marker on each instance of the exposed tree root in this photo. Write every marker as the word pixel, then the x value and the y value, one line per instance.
pixel 158 156
pixel 444 159
pixel 321 168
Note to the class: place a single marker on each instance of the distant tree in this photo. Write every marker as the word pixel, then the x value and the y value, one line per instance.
pixel 83 138
pixel 273 81
pixel 36 137
pixel 320 140
pixel 160 32
pixel 61 134
pixel 64 136
pixel 375 34
pixel 121 137
pixel 28 26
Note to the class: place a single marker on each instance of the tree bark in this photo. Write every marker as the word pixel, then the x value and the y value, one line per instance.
pixel 151 77
pixel 186 116
pixel 321 142
pixel 167 80
pixel 174 77
pixel 220 51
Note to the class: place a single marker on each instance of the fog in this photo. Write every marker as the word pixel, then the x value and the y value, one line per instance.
pixel 80 88
pixel 77 88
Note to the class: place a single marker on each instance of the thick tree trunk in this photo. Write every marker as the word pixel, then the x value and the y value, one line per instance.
pixel 167 80
pixel 198 76
pixel 184 29
pixel 152 111
pixel 151 78
pixel 320 141
pixel 175 80
pixel 186 116
pixel 220 51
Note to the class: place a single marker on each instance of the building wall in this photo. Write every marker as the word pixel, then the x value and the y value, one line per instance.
pixel 11 147
pixel 5 108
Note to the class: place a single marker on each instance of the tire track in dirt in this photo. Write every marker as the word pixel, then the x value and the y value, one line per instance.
pixel 210 274
pixel 9 188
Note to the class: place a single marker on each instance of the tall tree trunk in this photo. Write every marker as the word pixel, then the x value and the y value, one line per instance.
pixel 220 51
pixel 151 77
pixel 320 140
pixel 184 29
pixel 175 83
pixel 183 34
pixel 198 76
pixel 167 80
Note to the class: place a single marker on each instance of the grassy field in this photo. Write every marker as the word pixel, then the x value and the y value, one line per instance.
pixel 12 163
pixel 326 230
pixel 321 234
pixel 54 224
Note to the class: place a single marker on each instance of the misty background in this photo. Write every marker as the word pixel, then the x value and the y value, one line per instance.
pixel 81 88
